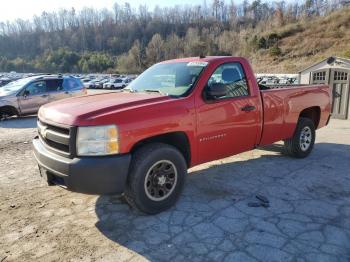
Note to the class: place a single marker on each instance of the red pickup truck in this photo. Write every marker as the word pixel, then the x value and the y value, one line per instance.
pixel 140 141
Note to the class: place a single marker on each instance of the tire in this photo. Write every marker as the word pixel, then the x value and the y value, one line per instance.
pixel 156 178
pixel 3 116
pixel 6 112
pixel 303 140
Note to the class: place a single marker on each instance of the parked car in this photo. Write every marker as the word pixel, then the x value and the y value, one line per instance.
pixel 177 114
pixel 268 80
pixel 88 83
pixel 99 83
pixel 5 81
pixel 95 83
pixel 26 95
pixel 128 81
pixel 291 80
pixel 115 84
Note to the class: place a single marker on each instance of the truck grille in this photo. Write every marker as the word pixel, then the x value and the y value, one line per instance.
pixel 56 138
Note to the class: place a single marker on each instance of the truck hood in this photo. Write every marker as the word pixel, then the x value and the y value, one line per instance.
pixel 86 109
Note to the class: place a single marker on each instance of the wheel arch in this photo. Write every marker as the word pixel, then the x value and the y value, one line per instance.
pixel 11 110
pixel 179 140
pixel 313 113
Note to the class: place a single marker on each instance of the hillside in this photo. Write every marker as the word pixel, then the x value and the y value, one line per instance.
pixel 275 36
pixel 306 42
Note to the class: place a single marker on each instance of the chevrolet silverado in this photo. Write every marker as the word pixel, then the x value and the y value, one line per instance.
pixel 140 141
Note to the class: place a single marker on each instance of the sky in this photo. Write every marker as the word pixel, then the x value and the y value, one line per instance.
pixel 25 9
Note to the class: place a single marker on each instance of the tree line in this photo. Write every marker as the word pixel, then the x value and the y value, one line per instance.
pixel 127 39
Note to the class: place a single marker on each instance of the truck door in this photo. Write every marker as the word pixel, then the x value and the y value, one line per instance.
pixel 32 97
pixel 227 123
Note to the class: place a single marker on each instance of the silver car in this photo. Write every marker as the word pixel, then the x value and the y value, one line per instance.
pixel 25 96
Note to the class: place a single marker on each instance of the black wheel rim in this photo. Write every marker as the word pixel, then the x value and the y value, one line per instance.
pixel 160 180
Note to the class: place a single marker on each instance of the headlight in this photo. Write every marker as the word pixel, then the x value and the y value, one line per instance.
pixel 97 140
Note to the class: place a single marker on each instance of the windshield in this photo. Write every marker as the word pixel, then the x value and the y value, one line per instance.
pixel 14 86
pixel 171 78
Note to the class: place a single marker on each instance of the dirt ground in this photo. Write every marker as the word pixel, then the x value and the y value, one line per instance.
pixel 308 218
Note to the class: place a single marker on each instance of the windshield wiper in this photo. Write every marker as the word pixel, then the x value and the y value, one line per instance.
pixel 129 90
pixel 153 91
pixel 145 90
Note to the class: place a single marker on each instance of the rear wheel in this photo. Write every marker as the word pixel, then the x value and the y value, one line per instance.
pixel 156 178
pixel 302 142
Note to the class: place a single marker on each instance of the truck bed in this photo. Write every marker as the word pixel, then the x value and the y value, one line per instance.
pixel 282 106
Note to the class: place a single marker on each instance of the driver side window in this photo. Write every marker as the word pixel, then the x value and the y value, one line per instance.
pixel 232 78
pixel 35 88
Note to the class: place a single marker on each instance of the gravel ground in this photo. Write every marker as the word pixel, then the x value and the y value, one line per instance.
pixel 308 218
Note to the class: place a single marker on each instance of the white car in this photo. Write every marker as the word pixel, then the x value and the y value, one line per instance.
pixel 117 83
pixel 88 83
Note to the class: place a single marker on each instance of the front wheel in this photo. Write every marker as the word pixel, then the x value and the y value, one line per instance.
pixel 4 114
pixel 156 178
pixel 303 140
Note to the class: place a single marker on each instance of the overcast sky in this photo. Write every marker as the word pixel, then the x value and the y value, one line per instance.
pixel 12 9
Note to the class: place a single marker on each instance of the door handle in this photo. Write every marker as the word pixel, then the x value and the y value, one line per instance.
pixel 44 95
pixel 248 108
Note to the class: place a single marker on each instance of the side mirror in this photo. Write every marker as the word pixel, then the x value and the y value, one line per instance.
pixel 216 90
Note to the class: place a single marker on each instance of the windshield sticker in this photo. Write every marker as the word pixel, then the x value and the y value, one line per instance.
pixel 203 64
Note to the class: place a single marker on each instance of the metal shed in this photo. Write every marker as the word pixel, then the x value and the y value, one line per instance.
pixel 335 72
